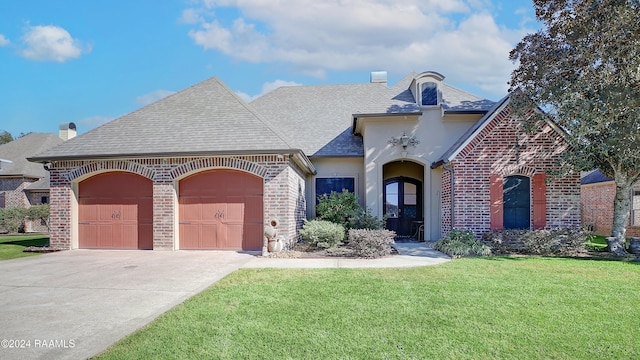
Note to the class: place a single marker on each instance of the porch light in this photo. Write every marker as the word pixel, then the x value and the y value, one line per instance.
pixel 404 140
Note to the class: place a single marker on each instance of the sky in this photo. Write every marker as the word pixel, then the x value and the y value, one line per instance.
pixel 89 62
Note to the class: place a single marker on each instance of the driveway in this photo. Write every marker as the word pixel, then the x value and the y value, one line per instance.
pixel 74 304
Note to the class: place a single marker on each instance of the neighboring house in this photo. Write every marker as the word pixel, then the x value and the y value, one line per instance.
pixel 201 169
pixel 24 183
pixel 597 195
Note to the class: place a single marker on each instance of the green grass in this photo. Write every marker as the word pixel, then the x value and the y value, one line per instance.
pixel 12 246
pixel 477 308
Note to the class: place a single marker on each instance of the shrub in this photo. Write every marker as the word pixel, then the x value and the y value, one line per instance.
pixel 368 243
pixel 12 219
pixel 39 212
pixel 363 219
pixel 322 233
pixel 343 208
pixel 460 242
pixel 339 208
pixel 566 242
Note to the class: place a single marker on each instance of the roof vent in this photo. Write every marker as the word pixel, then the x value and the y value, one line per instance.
pixel 67 131
pixel 379 77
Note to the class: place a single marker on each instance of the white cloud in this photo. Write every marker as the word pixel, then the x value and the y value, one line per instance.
pixel 50 43
pixel 4 41
pixel 153 96
pixel 266 88
pixel 459 39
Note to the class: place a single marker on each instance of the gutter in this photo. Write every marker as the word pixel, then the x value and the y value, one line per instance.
pixel 447 166
pixel 296 154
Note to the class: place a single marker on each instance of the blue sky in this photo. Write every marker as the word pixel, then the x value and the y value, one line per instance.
pixel 92 61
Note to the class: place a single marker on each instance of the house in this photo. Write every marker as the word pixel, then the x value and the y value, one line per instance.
pixel 24 183
pixel 597 195
pixel 201 169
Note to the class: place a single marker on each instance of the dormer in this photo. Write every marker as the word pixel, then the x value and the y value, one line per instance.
pixel 425 88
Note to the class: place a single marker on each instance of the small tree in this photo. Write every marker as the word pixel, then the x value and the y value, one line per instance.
pixel 12 219
pixel 5 137
pixel 39 212
pixel 338 207
pixel 583 69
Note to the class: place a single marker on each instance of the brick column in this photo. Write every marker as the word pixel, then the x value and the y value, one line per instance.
pixel 60 197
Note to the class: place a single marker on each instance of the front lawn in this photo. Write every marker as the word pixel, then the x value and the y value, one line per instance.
pixel 12 246
pixel 472 308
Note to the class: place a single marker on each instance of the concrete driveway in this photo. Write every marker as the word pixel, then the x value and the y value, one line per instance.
pixel 74 304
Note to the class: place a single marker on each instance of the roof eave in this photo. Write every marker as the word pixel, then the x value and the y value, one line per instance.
pixel 355 117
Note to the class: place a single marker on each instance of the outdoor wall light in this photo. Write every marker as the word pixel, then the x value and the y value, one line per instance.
pixel 404 140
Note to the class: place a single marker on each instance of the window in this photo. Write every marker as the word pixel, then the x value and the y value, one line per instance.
pixel 338 184
pixel 44 200
pixel 429 94
pixel 516 202
pixel 635 208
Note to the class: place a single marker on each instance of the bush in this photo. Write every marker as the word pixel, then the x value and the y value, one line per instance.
pixel 343 208
pixel 459 243
pixel 565 242
pixel 12 219
pixel 322 233
pixel 368 243
pixel 39 212
pixel 363 219
pixel 339 208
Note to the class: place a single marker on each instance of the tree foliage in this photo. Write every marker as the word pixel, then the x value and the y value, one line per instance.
pixel 5 137
pixel 583 69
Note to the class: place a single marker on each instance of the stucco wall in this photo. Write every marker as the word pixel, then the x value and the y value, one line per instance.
pixel 284 189
pixel 435 134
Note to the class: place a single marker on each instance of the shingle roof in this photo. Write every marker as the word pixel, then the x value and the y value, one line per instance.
pixel 202 119
pixel 319 118
pixel 593 177
pixel 21 148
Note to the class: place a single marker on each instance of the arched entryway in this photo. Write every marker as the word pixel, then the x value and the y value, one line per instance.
pixel 403 197
pixel 221 209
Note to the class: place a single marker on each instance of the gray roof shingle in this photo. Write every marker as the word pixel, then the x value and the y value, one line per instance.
pixel 21 148
pixel 205 118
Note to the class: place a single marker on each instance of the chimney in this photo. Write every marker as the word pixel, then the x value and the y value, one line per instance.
pixel 67 131
pixel 379 77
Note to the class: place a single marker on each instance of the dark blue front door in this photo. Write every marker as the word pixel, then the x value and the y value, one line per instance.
pixel 517 202
pixel 402 204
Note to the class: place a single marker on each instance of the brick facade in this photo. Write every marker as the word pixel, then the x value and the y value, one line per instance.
pixel 503 148
pixel 13 194
pixel 284 191
pixel 597 208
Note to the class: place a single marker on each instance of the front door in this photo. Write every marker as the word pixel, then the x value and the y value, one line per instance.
pixel 403 205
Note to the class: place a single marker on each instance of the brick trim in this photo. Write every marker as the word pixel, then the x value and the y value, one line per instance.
pixel 219 162
pixel 110 165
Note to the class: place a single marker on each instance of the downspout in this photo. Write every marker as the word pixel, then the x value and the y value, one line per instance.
pixel 447 166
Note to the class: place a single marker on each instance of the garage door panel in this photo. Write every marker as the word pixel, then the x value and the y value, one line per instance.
pixel 112 210
pixel 225 197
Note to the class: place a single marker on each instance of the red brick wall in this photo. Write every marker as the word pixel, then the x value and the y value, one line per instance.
pixel 282 179
pixel 503 148
pixel 597 208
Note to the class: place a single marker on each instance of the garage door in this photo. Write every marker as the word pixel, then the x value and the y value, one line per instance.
pixel 115 211
pixel 221 209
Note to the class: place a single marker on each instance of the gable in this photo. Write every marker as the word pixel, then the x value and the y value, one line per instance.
pixel 206 118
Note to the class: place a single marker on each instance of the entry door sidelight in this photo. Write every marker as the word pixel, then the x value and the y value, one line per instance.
pixel 402 204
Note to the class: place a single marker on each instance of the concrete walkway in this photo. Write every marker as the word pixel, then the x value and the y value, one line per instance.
pixel 410 254
pixel 74 304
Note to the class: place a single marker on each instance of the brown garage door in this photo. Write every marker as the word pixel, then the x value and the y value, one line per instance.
pixel 221 209
pixel 115 211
